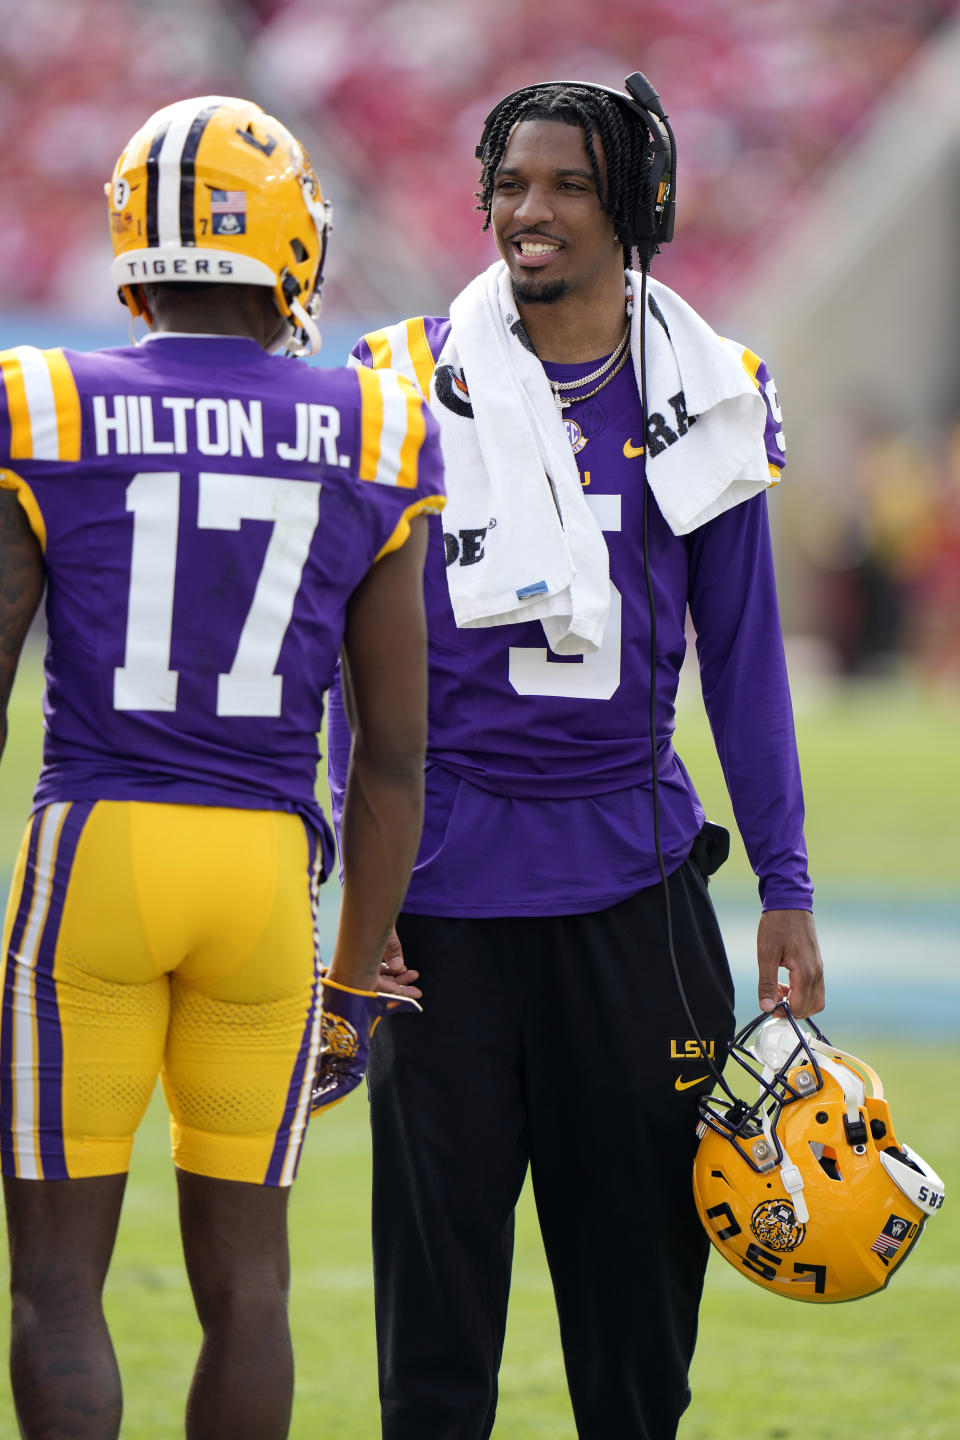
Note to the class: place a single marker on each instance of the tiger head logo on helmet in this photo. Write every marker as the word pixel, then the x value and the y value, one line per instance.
pixel 214 190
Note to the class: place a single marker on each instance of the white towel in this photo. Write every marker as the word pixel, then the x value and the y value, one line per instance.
pixel 723 458
pixel 512 480
pixel 512 474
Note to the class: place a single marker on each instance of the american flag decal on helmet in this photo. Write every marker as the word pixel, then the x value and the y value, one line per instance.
pixel 891 1237
pixel 228 211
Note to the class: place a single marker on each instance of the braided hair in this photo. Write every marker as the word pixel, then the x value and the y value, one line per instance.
pixel 626 144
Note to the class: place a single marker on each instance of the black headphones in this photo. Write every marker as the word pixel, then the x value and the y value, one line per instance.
pixel 652 223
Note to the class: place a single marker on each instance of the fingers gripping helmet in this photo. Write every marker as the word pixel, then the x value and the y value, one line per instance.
pixel 214 190
pixel 806 1191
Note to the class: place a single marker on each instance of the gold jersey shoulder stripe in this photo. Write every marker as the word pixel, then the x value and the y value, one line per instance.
pixel 404 347
pixel 21 445
pixel 67 403
pixel 420 353
pixel 371 422
pixel 751 363
pixel 392 427
pixel 43 404
pixel 416 433
pixel 378 343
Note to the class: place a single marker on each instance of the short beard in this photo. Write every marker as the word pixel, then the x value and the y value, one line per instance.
pixel 529 292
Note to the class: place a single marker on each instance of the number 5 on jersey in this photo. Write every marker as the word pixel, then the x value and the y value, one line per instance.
pixel 145 680
pixel 597 677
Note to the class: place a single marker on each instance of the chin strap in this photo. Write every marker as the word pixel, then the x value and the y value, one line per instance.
pixel 789 1174
pixel 871 1074
pixel 311 340
pixel 775 1047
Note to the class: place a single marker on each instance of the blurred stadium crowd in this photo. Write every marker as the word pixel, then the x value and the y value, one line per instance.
pixel 883 549
pixel 390 95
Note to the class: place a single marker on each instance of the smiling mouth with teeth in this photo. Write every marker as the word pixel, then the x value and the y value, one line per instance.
pixel 536 247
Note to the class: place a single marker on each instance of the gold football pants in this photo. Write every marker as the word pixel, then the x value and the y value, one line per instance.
pixel 144 939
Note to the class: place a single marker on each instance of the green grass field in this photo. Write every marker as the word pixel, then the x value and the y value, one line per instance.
pixel 888 1368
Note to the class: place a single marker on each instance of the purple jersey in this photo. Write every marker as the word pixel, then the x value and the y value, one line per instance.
pixel 539 767
pixel 205 511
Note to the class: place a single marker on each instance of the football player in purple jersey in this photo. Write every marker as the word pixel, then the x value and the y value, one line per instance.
pixel 214 525
pixel 559 900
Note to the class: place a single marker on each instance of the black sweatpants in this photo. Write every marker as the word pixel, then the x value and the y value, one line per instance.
pixel 558 1042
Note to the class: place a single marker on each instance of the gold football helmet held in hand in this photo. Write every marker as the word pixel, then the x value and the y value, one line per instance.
pixel 805 1189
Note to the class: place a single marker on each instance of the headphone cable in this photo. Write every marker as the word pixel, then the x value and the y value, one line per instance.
pixel 654 762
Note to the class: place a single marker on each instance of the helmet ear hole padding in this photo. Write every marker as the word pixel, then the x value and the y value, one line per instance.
pixel 136 302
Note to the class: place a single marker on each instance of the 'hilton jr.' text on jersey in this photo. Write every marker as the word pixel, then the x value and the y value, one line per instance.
pixel 178 424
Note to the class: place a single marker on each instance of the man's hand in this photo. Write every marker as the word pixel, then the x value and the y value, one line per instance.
pixel 394 977
pixel 787 939
pixel 347 1020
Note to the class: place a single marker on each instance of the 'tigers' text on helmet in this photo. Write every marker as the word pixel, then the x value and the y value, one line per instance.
pixel 213 425
pixel 190 268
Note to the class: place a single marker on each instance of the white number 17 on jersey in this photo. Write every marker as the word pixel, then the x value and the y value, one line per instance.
pixel 145 680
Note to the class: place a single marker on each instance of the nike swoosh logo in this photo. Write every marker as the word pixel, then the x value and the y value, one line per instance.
pixel 631 451
pixel 681 1084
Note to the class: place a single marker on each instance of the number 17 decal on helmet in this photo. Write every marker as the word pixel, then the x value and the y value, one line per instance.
pixel 804 1188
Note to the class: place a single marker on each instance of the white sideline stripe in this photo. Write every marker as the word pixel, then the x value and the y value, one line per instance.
pixel 400 358
pixel 306 1085
pixel 394 430
pixel 168 171
pixel 303 1102
pixel 41 405
pixel 25 1056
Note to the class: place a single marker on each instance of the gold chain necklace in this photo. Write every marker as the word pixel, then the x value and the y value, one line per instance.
pixel 575 399
pixel 617 360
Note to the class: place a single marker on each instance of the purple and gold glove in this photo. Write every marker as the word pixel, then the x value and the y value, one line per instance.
pixel 347 1020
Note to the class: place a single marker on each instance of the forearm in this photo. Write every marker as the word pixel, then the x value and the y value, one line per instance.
pixel 380 833
pixel 384 683
pixel 339 741
pixel 763 780
pixel 747 696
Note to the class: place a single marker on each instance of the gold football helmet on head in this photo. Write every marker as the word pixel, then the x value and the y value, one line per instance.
pixel 213 190
pixel 806 1190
